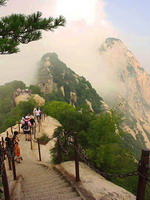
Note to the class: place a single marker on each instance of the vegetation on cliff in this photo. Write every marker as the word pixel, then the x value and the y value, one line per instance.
pixel 9 113
pixel 99 135
pixel 71 83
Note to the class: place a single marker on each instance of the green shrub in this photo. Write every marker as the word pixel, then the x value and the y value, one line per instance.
pixel 44 139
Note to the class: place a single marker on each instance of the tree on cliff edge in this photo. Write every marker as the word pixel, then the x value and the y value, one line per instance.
pixel 19 28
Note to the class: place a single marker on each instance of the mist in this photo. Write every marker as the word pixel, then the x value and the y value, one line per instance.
pixel 77 44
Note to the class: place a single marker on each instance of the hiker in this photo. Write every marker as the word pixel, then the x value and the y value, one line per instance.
pixel 26 90
pixel 34 111
pixel 26 128
pixel 38 114
pixel 9 144
pixel 15 137
pixel 17 152
pixel 22 120
pixel 33 124
pixel 28 116
pixel 32 120
pixel 9 140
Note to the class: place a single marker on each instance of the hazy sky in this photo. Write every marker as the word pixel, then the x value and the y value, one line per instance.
pixel 89 23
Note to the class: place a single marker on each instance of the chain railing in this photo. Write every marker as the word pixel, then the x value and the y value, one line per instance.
pixel 106 175
pixel 80 154
pixel 3 172
pixel 8 151
pixel 37 141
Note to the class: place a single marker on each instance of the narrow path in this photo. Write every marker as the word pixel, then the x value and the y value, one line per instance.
pixel 40 182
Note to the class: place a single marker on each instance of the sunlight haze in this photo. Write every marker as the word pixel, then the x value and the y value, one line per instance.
pixel 88 25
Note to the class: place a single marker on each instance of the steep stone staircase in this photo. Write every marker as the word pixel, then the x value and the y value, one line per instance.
pixel 39 182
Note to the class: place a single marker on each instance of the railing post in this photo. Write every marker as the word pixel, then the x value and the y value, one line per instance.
pixel 39 149
pixel 39 125
pixel 9 162
pixel 31 140
pixel 2 142
pixel 5 182
pixel 11 129
pixel 8 152
pixel 35 131
pixel 59 153
pixel 19 127
pixel 76 157
pixel 4 175
pixel 143 174
pixel 13 161
pixel 14 168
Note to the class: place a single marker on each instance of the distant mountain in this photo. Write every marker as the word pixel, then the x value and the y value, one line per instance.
pixel 58 82
pixel 131 93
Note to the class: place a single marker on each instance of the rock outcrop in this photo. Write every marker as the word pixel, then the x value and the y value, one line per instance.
pixel 131 88
pixel 65 84
pixel 26 97
pixel 97 186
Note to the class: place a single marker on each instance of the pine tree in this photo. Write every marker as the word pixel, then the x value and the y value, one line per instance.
pixel 19 28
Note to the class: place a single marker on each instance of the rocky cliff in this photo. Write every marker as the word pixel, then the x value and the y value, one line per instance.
pixel 26 97
pixel 131 89
pixel 60 83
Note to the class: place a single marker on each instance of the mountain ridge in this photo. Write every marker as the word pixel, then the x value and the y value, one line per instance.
pixel 67 85
pixel 133 87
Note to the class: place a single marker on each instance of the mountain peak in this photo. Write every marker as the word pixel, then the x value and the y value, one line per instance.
pixel 112 40
pixel 110 43
pixel 114 47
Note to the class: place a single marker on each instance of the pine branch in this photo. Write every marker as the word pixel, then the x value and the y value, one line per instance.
pixel 24 29
pixel 3 2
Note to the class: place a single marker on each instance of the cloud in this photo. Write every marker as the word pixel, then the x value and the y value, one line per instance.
pixel 76 44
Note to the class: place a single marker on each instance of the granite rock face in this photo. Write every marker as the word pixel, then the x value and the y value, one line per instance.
pixel 59 82
pixel 95 184
pixel 26 97
pixel 131 93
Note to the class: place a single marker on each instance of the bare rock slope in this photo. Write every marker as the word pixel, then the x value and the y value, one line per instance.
pixel 130 88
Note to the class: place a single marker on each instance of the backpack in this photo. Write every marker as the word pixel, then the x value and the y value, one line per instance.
pixel 25 126
pixel 32 121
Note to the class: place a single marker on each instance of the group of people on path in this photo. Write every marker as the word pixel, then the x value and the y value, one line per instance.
pixel 12 141
pixel 22 91
pixel 12 146
pixel 29 122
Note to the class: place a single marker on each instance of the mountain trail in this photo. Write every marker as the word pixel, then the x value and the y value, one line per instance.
pixel 38 182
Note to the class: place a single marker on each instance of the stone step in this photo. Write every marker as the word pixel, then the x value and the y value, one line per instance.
pixel 45 198
pixel 49 195
pixel 43 179
pixel 43 174
pixel 50 198
pixel 59 190
pixel 33 170
pixel 52 187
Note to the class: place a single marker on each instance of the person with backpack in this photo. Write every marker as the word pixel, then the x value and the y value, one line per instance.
pixel 26 128
pixel 33 125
